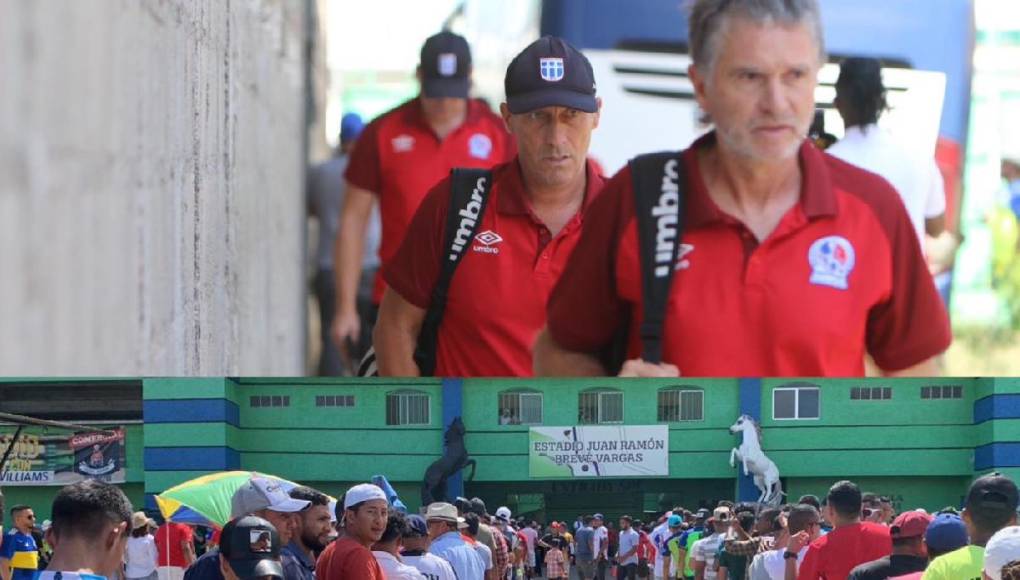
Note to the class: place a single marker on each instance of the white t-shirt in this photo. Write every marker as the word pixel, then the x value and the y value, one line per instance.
pixel 140 557
pixel 394 569
pixel 771 565
pixel 485 553
pixel 532 536
pixel 431 566
pixel 658 537
pixel 598 539
pixel 706 550
pixel 916 178
pixel 629 540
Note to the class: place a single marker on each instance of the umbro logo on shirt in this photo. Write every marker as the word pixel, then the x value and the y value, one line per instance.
pixel 488 240
pixel 403 143
pixel 682 263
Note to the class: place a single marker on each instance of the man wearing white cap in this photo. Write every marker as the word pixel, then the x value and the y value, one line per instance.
pixel 1002 551
pixel 261 497
pixel 364 521
pixel 447 543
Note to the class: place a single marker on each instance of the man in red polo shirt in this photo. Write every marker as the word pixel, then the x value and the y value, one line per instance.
pixel 404 153
pixel 792 263
pixel 850 543
pixel 532 221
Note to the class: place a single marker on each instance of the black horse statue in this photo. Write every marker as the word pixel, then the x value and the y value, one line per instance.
pixel 433 488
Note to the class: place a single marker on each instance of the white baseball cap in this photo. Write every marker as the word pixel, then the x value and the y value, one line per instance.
pixel 503 513
pixel 1001 549
pixel 260 493
pixel 363 492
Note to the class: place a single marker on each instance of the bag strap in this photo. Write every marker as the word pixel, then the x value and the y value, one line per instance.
pixel 469 194
pixel 658 181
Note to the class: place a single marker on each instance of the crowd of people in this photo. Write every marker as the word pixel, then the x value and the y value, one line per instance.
pixel 278 535
pixel 501 276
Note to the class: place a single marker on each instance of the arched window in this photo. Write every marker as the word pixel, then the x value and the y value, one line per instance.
pixel 407 408
pixel 520 407
pixel 600 407
pixel 681 403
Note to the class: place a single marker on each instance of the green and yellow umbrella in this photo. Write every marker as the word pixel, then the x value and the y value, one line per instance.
pixel 205 501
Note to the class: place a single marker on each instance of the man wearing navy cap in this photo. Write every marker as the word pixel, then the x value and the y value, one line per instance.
pixel 532 220
pixel 404 153
pixel 416 551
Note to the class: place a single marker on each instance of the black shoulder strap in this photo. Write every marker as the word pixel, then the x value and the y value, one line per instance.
pixel 469 194
pixel 658 181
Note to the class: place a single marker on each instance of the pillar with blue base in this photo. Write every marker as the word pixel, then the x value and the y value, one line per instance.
pixel 453 407
pixel 750 404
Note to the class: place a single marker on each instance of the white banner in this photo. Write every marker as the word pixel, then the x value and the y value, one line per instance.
pixel 598 451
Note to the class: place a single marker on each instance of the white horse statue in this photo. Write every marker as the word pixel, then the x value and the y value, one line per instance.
pixel 754 461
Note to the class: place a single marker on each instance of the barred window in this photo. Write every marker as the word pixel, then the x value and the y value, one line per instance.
pixel 796 403
pixel 681 405
pixel 334 400
pixel 407 408
pixel 942 392
pixel 520 408
pixel 870 393
pixel 269 401
pixel 600 407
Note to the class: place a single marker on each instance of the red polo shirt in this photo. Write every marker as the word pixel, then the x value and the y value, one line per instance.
pixel 842 273
pixel 497 298
pixel 399 158
pixel 837 553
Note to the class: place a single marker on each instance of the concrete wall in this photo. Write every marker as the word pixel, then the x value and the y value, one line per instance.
pixel 151 171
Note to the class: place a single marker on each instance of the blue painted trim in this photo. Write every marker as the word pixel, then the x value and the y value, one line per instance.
pixel 750 404
pixel 1002 406
pixel 453 407
pixel 191 411
pixel 995 455
pixel 191 459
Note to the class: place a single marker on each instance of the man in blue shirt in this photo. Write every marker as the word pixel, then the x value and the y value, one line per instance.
pixel 310 537
pixel 19 554
pixel 448 544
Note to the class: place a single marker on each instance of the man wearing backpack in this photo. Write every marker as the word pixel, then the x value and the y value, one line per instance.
pixel 792 262
pixel 507 232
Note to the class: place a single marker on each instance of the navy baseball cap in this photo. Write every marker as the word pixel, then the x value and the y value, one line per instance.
pixel 417 527
pixel 550 73
pixel 251 546
pixel 446 66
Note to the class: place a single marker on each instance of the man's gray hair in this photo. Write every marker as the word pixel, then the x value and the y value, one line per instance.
pixel 708 16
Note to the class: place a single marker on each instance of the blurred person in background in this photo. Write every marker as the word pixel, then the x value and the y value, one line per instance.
pixel 326 188
pixel 400 156
pixel 861 100
pixel 140 557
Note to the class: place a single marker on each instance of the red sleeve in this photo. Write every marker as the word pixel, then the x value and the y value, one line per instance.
pixel 414 269
pixel 585 310
pixel 912 325
pixel 809 566
pixel 364 169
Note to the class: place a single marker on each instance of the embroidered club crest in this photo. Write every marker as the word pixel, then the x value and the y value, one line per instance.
pixel 480 146
pixel 551 69
pixel 832 259
pixel 447 64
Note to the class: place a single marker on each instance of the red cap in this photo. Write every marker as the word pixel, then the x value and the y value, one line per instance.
pixel 909 525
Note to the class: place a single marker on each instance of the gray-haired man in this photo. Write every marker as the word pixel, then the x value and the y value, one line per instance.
pixel 793 263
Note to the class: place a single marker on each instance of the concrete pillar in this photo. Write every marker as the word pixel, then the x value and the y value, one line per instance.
pixel 151 175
